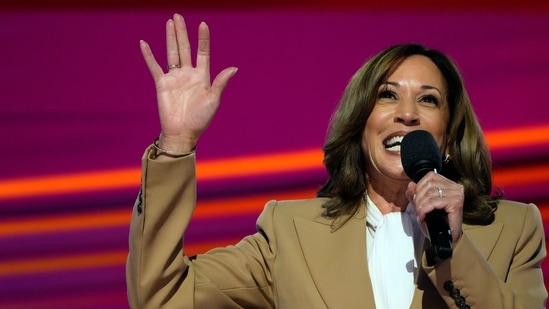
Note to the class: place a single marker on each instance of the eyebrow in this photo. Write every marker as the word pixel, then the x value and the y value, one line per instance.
pixel 425 87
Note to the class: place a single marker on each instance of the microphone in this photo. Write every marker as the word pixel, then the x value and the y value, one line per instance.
pixel 420 154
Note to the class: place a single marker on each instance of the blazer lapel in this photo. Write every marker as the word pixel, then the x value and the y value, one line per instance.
pixel 337 260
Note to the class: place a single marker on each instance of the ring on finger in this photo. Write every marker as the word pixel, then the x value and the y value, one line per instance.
pixel 440 192
pixel 174 66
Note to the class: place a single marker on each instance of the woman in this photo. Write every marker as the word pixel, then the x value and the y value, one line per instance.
pixel 361 242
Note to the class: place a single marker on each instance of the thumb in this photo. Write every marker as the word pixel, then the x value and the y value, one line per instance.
pixel 222 79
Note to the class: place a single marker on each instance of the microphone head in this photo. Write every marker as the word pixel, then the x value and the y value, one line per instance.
pixel 419 154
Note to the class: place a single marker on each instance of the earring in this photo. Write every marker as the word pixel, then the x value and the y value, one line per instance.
pixel 447 158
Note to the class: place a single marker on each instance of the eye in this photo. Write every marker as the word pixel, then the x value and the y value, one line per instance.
pixel 386 94
pixel 430 99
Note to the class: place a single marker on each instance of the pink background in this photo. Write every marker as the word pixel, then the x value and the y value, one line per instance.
pixel 76 99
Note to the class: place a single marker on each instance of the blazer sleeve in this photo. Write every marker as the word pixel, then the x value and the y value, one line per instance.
pixel 160 275
pixel 468 278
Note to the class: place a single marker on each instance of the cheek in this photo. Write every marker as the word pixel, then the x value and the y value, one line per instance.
pixel 445 123
pixel 376 122
pixel 370 128
pixel 365 148
pixel 367 136
pixel 438 126
pixel 368 148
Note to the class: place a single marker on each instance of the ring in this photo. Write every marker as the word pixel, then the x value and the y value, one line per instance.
pixel 439 192
pixel 174 66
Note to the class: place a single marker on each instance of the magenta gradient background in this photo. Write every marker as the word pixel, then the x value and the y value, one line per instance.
pixel 74 83
pixel 76 96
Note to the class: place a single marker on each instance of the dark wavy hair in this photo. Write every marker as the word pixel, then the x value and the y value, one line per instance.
pixel 470 163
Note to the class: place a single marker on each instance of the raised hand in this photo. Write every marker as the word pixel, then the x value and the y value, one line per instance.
pixel 187 101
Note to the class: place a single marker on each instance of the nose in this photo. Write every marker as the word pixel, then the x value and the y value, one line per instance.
pixel 407 113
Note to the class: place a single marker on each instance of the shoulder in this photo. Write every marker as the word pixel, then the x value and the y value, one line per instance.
pixel 285 211
pixel 511 211
pixel 308 208
pixel 519 218
pixel 512 219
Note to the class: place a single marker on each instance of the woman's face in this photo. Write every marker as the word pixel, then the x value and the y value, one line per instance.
pixel 413 98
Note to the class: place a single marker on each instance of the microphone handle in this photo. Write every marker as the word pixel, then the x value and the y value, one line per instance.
pixel 439 233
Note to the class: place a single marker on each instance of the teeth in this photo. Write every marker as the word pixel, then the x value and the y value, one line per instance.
pixel 394 148
pixel 394 142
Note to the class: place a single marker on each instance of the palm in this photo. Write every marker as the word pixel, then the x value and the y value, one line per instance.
pixel 187 101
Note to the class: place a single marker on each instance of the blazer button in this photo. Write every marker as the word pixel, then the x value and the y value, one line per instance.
pixel 454 293
pixel 448 285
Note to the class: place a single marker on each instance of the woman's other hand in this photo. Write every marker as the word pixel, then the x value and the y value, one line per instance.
pixel 435 191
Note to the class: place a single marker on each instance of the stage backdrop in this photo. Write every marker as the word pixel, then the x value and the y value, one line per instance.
pixel 78 109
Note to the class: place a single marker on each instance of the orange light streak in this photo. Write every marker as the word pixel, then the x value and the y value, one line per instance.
pixel 70 183
pixel 74 300
pixel 246 205
pixel 226 168
pixel 237 206
pixel 127 178
pixel 42 264
pixel 518 137
pixel 63 223
pixel 521 175
pixel 260 165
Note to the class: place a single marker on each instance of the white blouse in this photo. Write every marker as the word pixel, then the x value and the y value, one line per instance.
pixel 394 242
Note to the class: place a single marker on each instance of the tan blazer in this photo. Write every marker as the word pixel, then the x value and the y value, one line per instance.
pixel 296 260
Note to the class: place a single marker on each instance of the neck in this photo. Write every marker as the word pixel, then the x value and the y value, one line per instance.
pixel 388 197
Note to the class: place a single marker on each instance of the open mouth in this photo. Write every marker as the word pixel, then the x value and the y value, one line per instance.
pixel 393 143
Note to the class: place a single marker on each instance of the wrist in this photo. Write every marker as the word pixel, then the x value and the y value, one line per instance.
pixel 176 143
pixel 161 151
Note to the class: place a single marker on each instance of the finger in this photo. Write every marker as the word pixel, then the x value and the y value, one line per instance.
pixel 429 198
pixel 154 68
pixel 411 192
pixel 429 186
pixel 183 45
pixel 221 80
pixel 203 53
pixel 171 44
